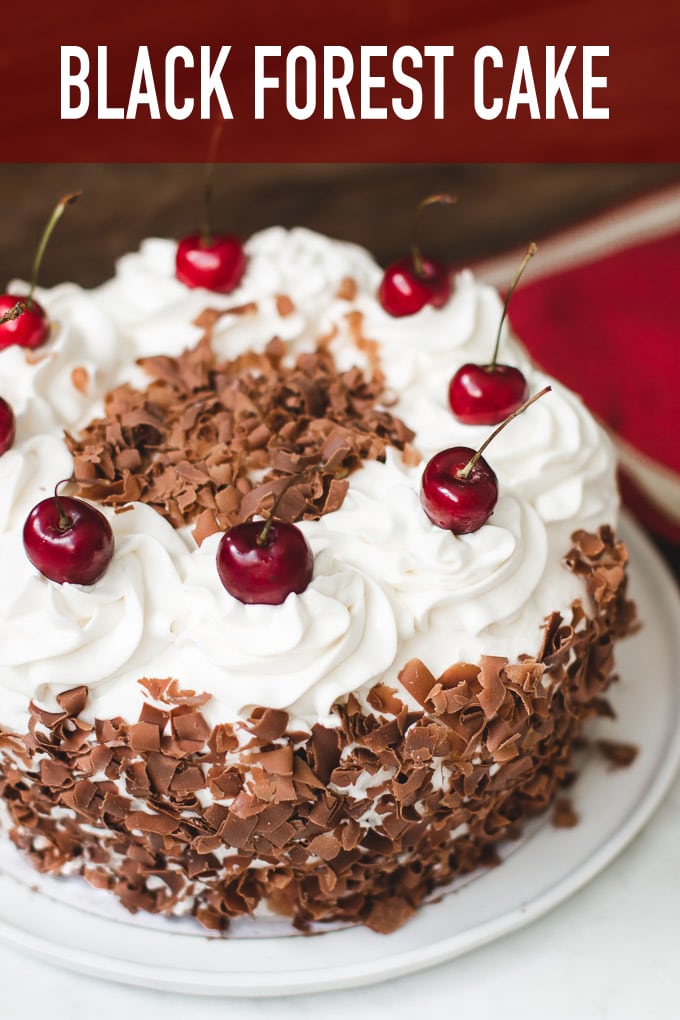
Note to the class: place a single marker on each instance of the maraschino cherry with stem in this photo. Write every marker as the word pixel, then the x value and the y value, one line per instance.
pixel 459 490
pixel 214 261
pixel 68 540
pixel 7 426
pixel 417 280
pixel 23 321
pixel 486 394
pixel 263 562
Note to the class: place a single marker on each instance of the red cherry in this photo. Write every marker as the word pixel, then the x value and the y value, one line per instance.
pixel 415 281
pixel 262 562
pixel 22 320
pixel 486 394
pixel 404 290
pixel 214 261
pixel 28 329
pixel 456 502
pixel 459 490
pixel 6 426
pixel 216 264
pixel 68 540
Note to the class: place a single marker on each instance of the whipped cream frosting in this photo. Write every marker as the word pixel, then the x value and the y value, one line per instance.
pixel 387 583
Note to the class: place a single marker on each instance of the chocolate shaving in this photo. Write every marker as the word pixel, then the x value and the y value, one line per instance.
pixel 416 678
pixel 145 737
pixel 284 305
pixel 80 378
pixel 347 290
pixel 618 754
pixel 73 702
pixel 268 724
pixel 564 816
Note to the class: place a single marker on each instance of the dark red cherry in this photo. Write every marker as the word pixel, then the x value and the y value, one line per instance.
pixel 459 490
pixel 22 320
pixel 404 290
pixel 7 425
pixel 455 501
pixel 415 281
pixel 217 263
pixel 30 328
pixel 205 259
pixel 262 562
pixel 68 540
pixel 486 394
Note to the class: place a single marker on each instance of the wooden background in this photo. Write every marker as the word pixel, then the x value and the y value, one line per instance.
pixel 500 205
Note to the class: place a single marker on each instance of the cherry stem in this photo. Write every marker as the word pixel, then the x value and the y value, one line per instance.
pixel 208 182
pixel 465 471
pixel 14 312
pixel 47 233
pixel 206 221
pixel 263 537
pixel 416 253
pixel 531 251
pixel 64 519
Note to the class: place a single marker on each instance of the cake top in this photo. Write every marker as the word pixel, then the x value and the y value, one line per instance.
pixel 387 584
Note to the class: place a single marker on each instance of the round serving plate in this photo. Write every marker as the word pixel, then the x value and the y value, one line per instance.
pixel 65 922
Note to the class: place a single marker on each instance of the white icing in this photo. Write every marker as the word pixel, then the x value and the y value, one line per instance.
pixel 387 584
pixel 480 578
pixel 308 651
pixel 41 386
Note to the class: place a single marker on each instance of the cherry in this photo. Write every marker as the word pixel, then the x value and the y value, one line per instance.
pixel 453 499
pixel 214 261
pixel 6 426
pixel 459 490
pixel 415 281
pixel 405 290
pixel 262 562
pixel 68 540
pixel 486 394
pixel 22 320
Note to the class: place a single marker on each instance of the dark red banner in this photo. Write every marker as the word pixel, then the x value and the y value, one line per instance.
pixel 437 81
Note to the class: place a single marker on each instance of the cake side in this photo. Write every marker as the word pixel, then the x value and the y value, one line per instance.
pixel 356 823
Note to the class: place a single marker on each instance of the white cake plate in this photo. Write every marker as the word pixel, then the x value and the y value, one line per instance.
pixel 66 923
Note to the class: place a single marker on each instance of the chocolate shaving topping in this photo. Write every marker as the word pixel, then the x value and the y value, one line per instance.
pixel 564 816
pixel 355 823
pixel 618 754
pixel 73 702
pixel 347 291
pixel 193 443
pixel 80 378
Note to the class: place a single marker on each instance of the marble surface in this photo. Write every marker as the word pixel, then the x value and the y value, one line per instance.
pixel 611 952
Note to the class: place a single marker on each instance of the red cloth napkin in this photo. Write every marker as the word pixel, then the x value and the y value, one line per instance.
pixel 602 314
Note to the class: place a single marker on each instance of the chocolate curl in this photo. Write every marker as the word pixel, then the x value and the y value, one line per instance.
pixel 618 754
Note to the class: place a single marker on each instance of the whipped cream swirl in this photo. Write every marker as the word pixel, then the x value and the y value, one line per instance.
pixel 481 577
pixel 307 652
